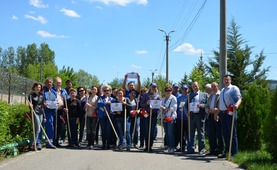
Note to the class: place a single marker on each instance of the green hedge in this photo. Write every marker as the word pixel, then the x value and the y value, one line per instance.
pixel 14 126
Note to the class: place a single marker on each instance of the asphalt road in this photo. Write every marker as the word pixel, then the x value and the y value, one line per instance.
pixel 84 159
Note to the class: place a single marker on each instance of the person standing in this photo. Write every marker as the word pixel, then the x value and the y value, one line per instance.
pixel 61 95
pixel 229 102
pixel 214 123
pixel 50 107
pixel 123 134
pixel 83 99
pixel 135 119
pixel 74 112
pixel 104 110
pixel 152 94
pixel 131 86
pixel 92 119
pixel 169 107
pixel 36 103
pixel 181 116
pixel 196 104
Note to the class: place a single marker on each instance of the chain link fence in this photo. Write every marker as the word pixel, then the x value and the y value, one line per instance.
pixel 14 88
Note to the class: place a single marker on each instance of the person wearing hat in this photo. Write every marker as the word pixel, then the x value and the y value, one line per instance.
pixel 175 90
pixel 152 94
pixel 181 116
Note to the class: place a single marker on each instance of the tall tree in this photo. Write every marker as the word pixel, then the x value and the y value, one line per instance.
pixel 32 54
pixel 239 63
pixel 21 60
pixel 116 82
pixel 46 54
pixel 85 79
pixel 67 73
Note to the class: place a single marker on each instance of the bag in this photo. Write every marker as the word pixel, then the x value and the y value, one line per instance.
pixel 168 119
pixel 144 113
pixel 230 110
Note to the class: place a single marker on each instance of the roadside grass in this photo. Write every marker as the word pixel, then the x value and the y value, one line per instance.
pixel 255 160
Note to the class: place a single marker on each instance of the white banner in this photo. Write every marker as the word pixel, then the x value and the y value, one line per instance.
pixel 155 104
pixel 116 107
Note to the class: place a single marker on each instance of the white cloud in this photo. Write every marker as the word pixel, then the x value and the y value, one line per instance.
pixel 73 2
pixel 121 2
pixel 14 17
pixel 70 13
pixel 37 3
pixel 141 52
pixel 135 66
pixel 49 35
pixel 39 18
pixel 98 7
pixel 187 49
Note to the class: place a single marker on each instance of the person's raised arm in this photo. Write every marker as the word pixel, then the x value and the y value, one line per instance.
pixel 124 82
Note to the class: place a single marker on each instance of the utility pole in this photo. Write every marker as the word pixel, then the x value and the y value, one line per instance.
pixel 152 73
pixel 167 39
pixel 223 42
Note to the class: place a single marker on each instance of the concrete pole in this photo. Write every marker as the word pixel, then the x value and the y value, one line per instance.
pixel 223 44
pixel 167 39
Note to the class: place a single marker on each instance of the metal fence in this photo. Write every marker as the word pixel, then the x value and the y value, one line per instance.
pixel 14 88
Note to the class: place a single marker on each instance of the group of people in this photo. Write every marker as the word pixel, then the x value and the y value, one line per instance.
pixel 128 116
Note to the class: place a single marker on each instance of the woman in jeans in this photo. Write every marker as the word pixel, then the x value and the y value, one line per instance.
pixel 36 103
pixel 169 107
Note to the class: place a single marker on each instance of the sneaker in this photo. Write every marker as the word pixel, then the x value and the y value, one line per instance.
pixel 201 153
pixel 221 156
pixel 171 150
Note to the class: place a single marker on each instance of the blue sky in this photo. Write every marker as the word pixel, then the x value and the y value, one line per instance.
pixel 109 38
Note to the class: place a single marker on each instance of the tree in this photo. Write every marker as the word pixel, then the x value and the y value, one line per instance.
pixel 270 126
pixel 21 60
pixel 256 105
pixel 46 54
pixel 239 60
pixel 85 79
pixel 199 74
pixel 32 54
pixel 67 73
pixel 116 82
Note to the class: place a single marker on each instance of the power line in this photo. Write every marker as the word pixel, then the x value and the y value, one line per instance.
pixel 190 26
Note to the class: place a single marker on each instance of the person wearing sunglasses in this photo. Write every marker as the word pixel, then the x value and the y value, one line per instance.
pixel 169 107
pixel 83 99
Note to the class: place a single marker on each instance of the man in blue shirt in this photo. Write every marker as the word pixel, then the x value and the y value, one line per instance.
pixel 229 102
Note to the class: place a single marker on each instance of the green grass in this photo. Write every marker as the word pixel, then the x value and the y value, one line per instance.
pixel 255 160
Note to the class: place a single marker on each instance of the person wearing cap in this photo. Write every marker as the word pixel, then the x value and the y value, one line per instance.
pixel 214 123
pixel 181 116
pixel 175 90
pixel 169 107
pixel 131 86
pixel 196 103
pixel 229 102
pixel 152 94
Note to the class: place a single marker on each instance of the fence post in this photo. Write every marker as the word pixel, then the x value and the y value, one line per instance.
pixel 9 90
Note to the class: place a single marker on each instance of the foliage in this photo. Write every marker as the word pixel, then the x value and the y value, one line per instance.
pixel 255 105
pixel 14 125
pixel 5 136
pixel 67 73
pixel 116 82
pixel 239 60
pixel 255 160
pixel 85 79
pixel 269 128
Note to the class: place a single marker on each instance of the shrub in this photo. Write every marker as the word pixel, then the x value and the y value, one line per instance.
pixel 255 106
pixel 269 128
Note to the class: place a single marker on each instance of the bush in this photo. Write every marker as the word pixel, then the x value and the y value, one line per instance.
pixel 15 127
pixel 269 128
pixel 255 106
pixel 4 132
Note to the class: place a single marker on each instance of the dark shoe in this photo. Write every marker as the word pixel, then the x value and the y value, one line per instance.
pixel 189 152
pixel 50 147
pixel 221 156
pixel 58 145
